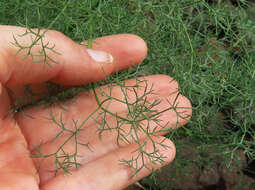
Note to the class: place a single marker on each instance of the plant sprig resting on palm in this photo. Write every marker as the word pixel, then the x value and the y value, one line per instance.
pixel 142 119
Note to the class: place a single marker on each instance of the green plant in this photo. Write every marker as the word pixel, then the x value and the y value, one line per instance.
pixel 36 37
pixel 141 119
pixel 207 46
pixel 138 121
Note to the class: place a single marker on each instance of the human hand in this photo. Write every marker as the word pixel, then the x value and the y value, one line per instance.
pixel 19 134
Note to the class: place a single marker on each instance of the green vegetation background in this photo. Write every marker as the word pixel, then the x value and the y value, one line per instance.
pixel 207 46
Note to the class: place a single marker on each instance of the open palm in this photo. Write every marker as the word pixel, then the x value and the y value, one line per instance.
pixel 21 133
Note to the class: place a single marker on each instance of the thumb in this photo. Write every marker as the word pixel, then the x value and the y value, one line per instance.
pixel 76 64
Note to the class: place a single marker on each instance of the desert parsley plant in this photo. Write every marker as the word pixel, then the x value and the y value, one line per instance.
pixel 36 37
pixel 141 114
pixel 139 119
pixel 207 46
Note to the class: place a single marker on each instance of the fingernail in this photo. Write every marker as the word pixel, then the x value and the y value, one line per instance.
pixel 100 56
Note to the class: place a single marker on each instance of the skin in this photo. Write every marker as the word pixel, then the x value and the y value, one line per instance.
pixel 19 135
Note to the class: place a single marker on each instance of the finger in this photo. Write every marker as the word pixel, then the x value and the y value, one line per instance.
pixel 76 64
pixel 81 107
pixel 107 173
pixel 135 49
